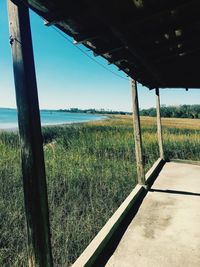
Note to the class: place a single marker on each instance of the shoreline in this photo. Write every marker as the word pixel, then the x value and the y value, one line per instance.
pixel 16 129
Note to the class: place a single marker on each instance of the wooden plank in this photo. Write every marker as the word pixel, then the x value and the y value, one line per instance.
pixel 33 168
pixel 137 134
pixel 159 126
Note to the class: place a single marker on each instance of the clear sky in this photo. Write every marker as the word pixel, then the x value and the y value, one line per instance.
pixel 67 78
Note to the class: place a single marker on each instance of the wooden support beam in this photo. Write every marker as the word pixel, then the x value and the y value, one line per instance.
pixel 120 32
pixel 117 61
pixel 173 17
pixel 51 23
pixel 109 50
pixel 176 55
pixel 137 134
pixel 85 39
pixel 159 126
pixel 33 168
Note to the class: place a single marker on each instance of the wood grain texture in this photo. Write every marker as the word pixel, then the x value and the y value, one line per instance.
pixel 159 126
pixel 33 168
pixel 137 134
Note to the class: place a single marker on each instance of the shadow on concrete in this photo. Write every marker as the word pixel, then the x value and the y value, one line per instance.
pixel 155 174
pixel 112 244
pixel 174 192
pixel 116 237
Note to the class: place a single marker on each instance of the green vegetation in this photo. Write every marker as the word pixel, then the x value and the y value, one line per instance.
pixel 94 111
pixel 183 111
pixel 90 171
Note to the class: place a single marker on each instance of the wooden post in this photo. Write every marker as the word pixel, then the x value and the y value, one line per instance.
pixel 33 169
pixel 137 134
pixel 159 127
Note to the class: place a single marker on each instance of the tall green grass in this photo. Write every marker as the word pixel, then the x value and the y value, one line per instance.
pixel 90 171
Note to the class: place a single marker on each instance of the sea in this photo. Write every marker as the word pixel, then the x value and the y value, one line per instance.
pixel 8 118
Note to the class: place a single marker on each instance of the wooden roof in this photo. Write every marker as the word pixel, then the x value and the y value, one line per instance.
pixel 156 42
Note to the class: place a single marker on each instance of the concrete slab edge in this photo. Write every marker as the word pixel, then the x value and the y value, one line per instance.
pixel 93 250
pixel 185 161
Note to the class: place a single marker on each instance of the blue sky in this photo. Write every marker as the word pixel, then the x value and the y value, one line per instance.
pixel 67 78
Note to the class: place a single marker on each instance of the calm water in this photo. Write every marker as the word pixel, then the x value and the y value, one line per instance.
pixel 8 118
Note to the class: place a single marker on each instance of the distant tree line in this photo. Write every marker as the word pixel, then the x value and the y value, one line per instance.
pixel 182 111
pixel 94 111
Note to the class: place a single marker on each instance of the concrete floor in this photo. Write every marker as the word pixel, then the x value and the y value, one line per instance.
pixel 166 230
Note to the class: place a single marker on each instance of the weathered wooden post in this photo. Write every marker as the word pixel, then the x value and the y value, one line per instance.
pixel 137 134
pixel 159 126
pixel 33 169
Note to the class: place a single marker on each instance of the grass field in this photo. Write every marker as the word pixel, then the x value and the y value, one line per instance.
pixel 90 170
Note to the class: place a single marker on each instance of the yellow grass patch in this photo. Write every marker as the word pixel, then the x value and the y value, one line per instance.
pixel 149 121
